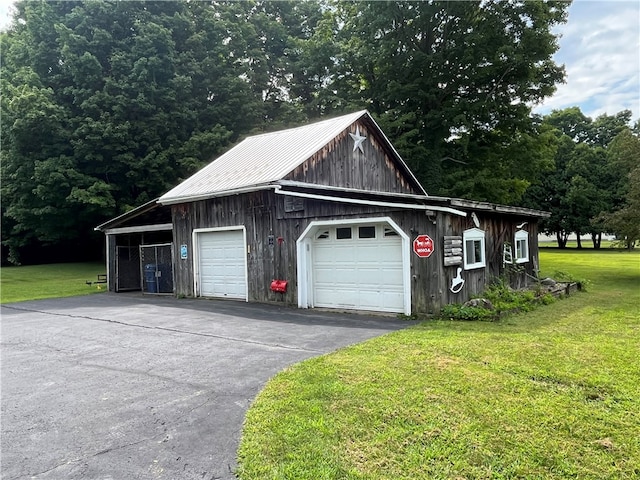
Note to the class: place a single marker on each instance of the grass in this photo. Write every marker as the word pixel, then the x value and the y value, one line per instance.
pixel 35 282
pixel 549 394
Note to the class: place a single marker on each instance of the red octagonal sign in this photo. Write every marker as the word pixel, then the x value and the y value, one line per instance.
pixel 423 246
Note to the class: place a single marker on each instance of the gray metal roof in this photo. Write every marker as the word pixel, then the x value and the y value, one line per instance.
pixel 259 160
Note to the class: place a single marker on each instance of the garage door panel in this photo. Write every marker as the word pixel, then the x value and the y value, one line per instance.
pixel 393 276
pixel 391 299
pixel 332 298
pixel 328 276
pixel 222 264
pixel 384 254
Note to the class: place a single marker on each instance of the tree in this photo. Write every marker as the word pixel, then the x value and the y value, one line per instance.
pixel 106 105
pixel 589 192
pixel 550 193
pixel 452 84
pixel 624 221
pixel 586 182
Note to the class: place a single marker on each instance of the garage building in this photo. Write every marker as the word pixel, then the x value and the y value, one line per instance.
pixel 328 215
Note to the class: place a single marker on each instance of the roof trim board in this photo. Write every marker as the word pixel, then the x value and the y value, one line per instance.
pixel 140 229
pixel 486 206
pixel 225 193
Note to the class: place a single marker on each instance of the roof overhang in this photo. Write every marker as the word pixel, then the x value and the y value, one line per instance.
pixel 128 215
pixel 456 206
pixel 159 227
pixel 492 207
pixel 223 193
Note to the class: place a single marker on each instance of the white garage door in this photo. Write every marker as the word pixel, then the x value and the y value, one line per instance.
pixel 358 267
pixel 222 270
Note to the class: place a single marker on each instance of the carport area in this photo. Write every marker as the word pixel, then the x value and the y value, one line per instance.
pixel 116 386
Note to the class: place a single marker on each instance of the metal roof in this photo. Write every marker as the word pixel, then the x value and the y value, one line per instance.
pixel 260 159
pixel 131 214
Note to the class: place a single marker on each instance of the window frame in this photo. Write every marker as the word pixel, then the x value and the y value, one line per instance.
pixel 474 235
pixel 522 236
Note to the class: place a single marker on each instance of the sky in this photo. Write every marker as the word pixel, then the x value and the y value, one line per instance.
pixel 600 49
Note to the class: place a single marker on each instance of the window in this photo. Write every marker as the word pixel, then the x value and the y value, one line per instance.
pixel 322 235
pixel 473 242
pixel 390 232
pixel 522 246
pixel 343 233
pixel 366 232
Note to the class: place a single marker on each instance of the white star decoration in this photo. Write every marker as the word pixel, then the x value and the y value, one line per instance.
pixel 358 140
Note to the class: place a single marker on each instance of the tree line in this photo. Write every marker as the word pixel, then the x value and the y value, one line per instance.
pixel 593 186
pixel 107 104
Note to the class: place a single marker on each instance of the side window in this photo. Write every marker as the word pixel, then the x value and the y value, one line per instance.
pixel 473 247
pixel 390 232
pixel 522 246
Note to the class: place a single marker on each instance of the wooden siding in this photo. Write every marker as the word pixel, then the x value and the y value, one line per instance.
pixel 264 215
pixel 338 165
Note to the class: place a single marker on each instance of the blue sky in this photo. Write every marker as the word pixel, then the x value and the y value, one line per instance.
pixel 600 48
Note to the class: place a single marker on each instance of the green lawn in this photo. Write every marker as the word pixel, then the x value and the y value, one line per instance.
pixel 49 281
pixel 548 394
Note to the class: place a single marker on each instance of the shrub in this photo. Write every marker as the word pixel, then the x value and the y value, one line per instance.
pixel 568 278
pixel 457 311
pixel 546 299
pixel 504 299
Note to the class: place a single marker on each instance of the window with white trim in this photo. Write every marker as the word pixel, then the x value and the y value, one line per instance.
pixel 473 243
pixel 522 246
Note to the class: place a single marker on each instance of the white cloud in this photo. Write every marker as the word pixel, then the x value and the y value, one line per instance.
pixel 5 13
pixel 600 48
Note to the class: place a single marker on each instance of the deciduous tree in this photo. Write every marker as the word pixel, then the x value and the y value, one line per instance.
pixel 106 105
pixel 452 84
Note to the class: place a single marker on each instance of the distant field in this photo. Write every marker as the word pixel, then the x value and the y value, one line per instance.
pixel 549 394
pixel 35 282
pixel 587 244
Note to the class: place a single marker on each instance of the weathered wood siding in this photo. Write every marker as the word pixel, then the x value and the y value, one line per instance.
pixel 433 279
pixel 337 164
pixel 263 214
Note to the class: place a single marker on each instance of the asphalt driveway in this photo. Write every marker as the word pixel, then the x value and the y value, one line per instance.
pixel 115 386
